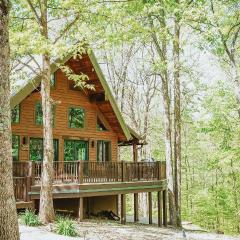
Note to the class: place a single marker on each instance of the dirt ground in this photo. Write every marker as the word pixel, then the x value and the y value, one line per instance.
pixel 95 230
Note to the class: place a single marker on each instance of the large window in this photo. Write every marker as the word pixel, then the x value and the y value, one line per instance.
pixel 103 151
pixel 76 117
pixel 36 149
pixel 75 150
pixel 15 147
pixel 16 114
pixel 39 114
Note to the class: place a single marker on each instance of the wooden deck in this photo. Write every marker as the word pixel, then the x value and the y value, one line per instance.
pixel 86 178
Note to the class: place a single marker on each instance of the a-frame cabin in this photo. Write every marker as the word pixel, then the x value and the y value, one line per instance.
pixel 88 129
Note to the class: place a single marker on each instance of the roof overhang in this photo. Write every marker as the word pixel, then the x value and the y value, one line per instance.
pixel 34 83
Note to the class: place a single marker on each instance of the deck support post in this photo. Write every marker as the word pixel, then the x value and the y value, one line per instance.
pixel 150 207
pixel 135 152
pixel 80 209
pixel 165 208
pixel 123 208
pixel 159 204
pixel 136 216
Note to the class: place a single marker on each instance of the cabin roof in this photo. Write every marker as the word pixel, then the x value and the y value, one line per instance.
pixel 111 104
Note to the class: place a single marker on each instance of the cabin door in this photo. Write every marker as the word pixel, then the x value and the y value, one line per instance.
pixel 75 150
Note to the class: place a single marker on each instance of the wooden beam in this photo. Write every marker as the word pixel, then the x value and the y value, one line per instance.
pixel 80 209
pixel 123 208
pixel 150 207
pixel 159 203
pixel 165 208
pixel 136 216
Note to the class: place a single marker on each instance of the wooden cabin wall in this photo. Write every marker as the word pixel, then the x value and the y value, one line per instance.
pixel 66 98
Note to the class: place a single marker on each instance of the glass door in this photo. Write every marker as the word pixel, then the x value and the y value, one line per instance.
pixel 75 150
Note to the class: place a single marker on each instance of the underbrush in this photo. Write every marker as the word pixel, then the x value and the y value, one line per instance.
pixel 65 226
pixel 29 218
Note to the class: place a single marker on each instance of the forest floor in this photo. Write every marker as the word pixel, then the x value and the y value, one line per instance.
pixel 105 230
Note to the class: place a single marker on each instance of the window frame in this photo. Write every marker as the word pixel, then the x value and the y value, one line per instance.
pixel 18 155
pixel 110 150
pixel 84 117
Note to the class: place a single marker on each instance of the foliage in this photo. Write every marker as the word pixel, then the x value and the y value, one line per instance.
pixel 65 226
pixel 210 166
pixel 29 218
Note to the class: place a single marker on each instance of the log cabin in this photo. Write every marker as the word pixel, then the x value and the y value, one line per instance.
pixel 88 130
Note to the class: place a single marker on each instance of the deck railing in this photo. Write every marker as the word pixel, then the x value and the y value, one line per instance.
pixel 29 173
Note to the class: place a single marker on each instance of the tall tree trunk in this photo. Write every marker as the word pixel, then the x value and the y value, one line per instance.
pixel 46 211
pixel 162 52
pixel 8 214
pixel 177 119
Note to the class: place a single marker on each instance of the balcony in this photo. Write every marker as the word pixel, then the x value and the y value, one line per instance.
pixel 87 177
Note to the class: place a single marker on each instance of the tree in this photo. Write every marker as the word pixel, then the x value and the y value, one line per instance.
pixel 177 114
pixel 8 214
pixel 219 28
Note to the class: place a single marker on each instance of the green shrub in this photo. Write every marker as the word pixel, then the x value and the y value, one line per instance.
pixel 65 226
pixel 29 218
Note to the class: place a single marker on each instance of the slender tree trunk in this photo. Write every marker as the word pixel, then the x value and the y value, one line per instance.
pixel 8 214
pixel 46 211
pixel 162 51
pixel 177 120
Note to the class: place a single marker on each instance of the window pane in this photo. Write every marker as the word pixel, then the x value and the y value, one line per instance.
pixel 76 118
pixel 75 150
pixel 68 150
pixel 36 149
pixel 80 150
pixel 103 151
pixel 53 80
pixel 38 114
pixel 15 147
pixel 16 114
pixel 55 148
pixel 100 125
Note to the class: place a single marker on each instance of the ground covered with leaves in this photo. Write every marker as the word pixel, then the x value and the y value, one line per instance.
pixel 105 230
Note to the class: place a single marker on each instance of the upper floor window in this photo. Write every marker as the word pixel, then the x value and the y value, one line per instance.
pixel 16 114
pixel 15 147
pixel 39 114
pixel 100 125
pixel 76 117
pixel 53 80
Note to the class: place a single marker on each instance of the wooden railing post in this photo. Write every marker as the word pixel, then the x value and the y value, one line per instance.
pixel 27 190
pixel 123 166
pixel 159 170
pixel 32 172
pixel 80 167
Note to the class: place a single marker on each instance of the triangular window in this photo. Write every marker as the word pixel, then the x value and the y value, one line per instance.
pixel 100 125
